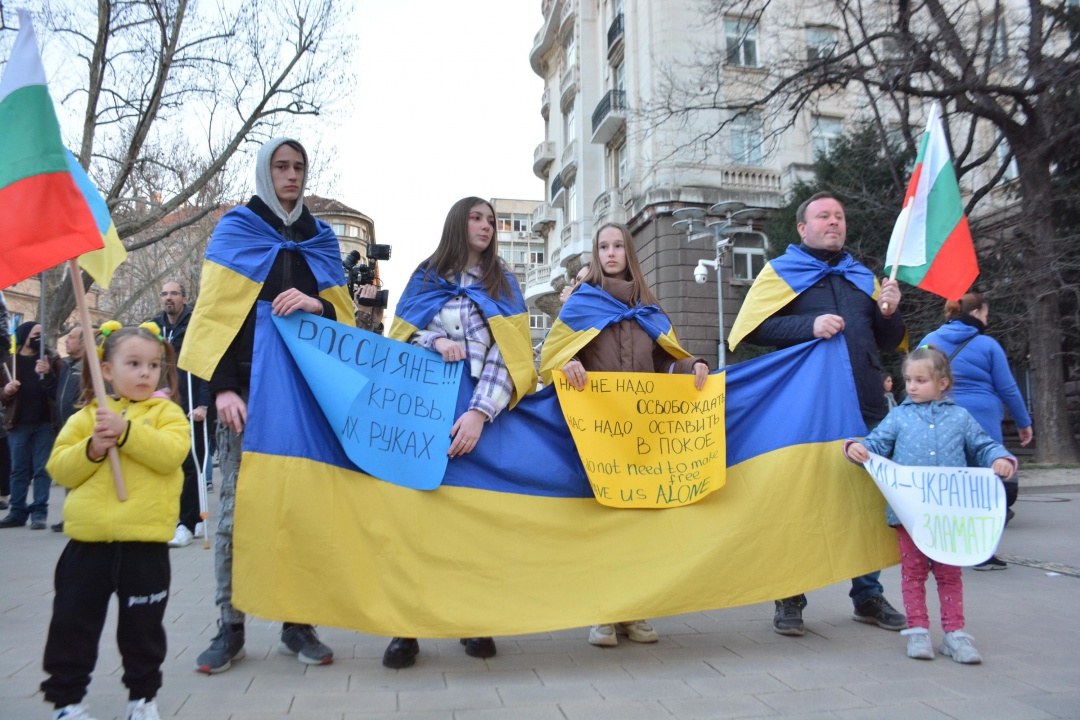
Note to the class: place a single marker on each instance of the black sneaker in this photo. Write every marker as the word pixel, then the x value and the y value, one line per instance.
pixel 481 647
pixel 38 525
pixel 227 645
pixel 9 521
pixel 301 641
pixel 58 527
pixel 877 611
pixel 993 563
pixel 401 653
pixel 787 620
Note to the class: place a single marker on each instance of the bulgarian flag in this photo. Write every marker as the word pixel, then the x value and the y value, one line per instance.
pixel 44 219
pixel 931 246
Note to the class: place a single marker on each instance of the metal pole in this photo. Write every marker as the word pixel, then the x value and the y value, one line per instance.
pixel 720 354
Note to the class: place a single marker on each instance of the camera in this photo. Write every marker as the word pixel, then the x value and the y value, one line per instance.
pixel 358 275
pixel 701 274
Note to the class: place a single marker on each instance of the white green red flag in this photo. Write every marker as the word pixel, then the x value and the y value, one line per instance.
pixel 931 242
pixel 45 218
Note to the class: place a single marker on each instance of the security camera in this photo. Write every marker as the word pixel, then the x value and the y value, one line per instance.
pixel 700 274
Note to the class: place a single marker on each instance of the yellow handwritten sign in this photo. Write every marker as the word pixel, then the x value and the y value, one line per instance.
pixel 648 440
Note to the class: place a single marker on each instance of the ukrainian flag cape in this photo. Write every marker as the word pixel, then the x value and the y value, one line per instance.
pixel 508 319
pixel 238 259
pixel 513 542
pixel 785 278
pixel 589 310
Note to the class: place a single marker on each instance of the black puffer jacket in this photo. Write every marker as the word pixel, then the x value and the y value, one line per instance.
pixel 866 331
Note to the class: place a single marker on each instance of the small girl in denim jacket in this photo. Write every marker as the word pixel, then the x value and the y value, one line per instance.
pixel 928 429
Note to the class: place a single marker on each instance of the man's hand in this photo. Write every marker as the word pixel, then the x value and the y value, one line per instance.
pixel 825 326
pixel 889 297
pixel 701 374
pixel 232 410
pixel 1026 436
pixel 292 300
pixel 42 367
pixel 198 414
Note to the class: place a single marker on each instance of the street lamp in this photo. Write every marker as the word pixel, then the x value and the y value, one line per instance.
pixel 721 233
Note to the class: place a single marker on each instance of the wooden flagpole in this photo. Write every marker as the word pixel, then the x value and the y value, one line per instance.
pixel 94 363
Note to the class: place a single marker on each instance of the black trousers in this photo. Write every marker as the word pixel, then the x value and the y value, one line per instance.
pixel 189 495
pixel 87 575
pixel 5 467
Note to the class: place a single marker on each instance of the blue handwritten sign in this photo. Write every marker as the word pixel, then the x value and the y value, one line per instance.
pixel 391 404
pixel 955 515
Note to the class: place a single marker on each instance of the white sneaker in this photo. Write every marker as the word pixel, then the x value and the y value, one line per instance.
pixel 72 712
pixel 143 709
pixel 959 647
pixel 603 635
pixel 200 530
pixel 182 538
pixel 638 631
pixel 918 643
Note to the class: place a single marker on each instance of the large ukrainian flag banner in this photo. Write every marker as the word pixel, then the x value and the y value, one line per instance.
pixel 513 542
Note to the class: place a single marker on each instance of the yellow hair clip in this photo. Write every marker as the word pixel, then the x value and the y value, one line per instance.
pixel 154 329
pixel 107 328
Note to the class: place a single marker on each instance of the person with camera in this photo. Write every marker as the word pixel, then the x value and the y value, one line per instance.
pixel 368 315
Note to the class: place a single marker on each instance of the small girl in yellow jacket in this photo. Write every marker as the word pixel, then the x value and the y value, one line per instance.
pixel 117 547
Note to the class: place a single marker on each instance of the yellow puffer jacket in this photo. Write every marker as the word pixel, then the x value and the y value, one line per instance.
pixel 150 459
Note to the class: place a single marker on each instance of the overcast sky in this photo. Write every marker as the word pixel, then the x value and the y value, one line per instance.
pixel 446 106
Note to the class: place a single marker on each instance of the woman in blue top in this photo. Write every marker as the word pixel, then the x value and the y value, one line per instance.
pixel 983 380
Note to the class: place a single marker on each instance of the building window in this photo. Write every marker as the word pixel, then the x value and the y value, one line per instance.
pixel 821 42
pixel 569 52
pixel 620 76
pixel 826 133
pixel 353 230
pixel 536 257
pixel 747 139
pixel 748 255
pixel 1004 155
pixel 571 203
pixel 521 223
pixel 571 123
pixel 363 232
pixel 622 171
pixel 503 222
pixel 338 228
pixel 538 321
pixel 742 42
pixel 519 257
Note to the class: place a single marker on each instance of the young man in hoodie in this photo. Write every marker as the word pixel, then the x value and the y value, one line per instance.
pixel 289 276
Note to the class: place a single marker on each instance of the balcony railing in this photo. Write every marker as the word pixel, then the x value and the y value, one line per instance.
pixel 558 192
pixel 537 274
pixel 545 103
pixel 568 84
pixel 545 37
pixel 615 35
pixel 569 11
pixel 542 217
pixel 609 116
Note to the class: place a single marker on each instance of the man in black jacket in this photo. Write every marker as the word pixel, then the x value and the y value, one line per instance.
pixel 173 322
pixel 831 305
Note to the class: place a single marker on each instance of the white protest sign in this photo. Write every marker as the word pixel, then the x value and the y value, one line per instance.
pixel 955 515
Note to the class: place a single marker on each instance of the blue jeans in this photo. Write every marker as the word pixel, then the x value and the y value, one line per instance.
pixel 30 447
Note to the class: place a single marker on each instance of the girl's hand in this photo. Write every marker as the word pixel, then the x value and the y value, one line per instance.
pixel 451 351
pixel 857 452
pixel 1002 468
pixel 701 374
pixel 231 410
pixel 466 433
pixel 575 374
pixel 108 430
pixel 292 300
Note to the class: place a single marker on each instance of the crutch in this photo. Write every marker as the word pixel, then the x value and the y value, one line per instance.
pixel 200 466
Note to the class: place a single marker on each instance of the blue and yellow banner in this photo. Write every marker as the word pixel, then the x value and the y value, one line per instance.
pixel 238 260
pixel 785 278
pixel 588 311
pixel 513 541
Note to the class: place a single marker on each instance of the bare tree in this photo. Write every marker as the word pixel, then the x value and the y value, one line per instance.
pixel 1005 72
pixel 165 93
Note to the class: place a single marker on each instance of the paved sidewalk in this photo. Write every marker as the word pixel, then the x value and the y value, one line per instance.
pixel 720 664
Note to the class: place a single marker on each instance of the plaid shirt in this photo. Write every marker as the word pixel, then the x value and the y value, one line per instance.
pixel 460 320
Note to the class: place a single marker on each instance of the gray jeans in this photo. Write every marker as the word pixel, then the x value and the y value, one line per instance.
pixel 230 450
